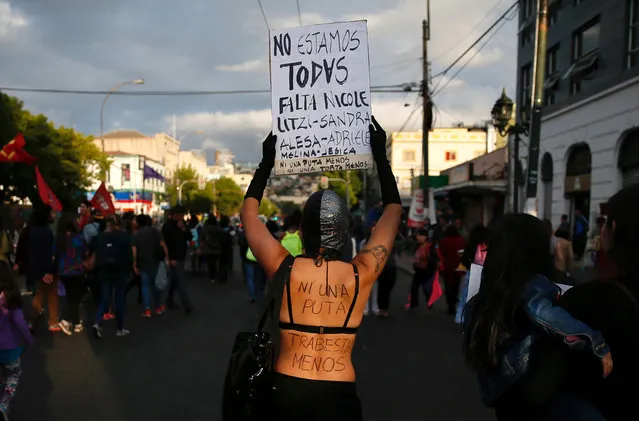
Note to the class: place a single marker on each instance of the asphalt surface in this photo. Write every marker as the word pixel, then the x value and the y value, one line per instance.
pixel 172 367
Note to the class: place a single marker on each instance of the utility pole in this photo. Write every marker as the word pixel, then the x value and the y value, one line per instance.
pixel 537 106
pixel 427 123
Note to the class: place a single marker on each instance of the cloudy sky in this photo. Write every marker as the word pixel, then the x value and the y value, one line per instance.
pixel 223 44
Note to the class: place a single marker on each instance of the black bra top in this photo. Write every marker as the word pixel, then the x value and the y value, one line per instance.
pixel 344 329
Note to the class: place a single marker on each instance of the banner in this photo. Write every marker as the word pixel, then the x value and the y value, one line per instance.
pixel 321 101
pixel 102 201
pixel 14 152
pixel 416 215
pixel 45 192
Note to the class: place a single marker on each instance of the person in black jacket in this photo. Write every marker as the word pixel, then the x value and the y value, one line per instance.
pixel 176 237
pixel 41 265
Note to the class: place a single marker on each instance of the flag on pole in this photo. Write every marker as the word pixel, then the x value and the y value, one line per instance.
pixel 436 291
pixel 45 192
pixel 102 201
pixel 14 152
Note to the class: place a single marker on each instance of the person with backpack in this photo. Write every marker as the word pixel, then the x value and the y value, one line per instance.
pixel 291 240
pixel 149 250
pixel 71 250
pixel 112 263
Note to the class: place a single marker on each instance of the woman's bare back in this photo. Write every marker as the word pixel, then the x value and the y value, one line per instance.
pixel 319 343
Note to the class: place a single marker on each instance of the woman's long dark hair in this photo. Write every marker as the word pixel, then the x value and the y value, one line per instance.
pixel 479 235
pixel 66 225
pixel 518 248
pixel 8 285
pixel 622 230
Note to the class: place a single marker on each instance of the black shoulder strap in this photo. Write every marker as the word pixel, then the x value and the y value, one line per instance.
pixel 289 301
pixel 350 310
pixel 273 301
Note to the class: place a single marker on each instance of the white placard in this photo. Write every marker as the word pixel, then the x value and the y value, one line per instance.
pixel 474 281
pixel 320 86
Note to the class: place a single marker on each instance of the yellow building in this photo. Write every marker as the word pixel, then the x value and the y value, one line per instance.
pixel 447 148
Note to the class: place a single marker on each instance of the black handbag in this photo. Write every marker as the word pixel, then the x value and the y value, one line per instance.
pixel 248 382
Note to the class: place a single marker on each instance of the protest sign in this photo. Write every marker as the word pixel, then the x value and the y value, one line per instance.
pixel 474 282
pixel 416 213
pixel 320 82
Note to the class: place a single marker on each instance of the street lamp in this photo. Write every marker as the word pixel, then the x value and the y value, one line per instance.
pixel 502 113
pixel 115 88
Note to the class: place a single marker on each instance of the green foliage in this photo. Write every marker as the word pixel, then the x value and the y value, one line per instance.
pixel 268 208
pixel 68 160
pixel 288 208
pixel 189 190
pixel 340 187
pixel 228 196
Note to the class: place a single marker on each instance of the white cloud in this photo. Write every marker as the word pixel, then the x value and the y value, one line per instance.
pixel 11 21
pixel 246 67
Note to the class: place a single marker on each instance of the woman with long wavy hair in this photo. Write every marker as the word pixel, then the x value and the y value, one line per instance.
pixel 514 311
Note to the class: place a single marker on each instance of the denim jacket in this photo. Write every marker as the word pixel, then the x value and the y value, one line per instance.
pixel 546 318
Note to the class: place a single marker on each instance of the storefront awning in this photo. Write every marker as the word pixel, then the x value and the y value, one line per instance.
pixel 477 187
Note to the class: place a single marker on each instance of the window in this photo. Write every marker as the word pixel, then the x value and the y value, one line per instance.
pixel 527 23
pixel 451 156
pixel 126 172
pixel 554 13
pixel 552 76
pixel 585 54
pixel 409 156
pixel 526 87
pixel 633 33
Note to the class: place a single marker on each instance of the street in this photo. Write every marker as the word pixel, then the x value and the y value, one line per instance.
pixel 172 367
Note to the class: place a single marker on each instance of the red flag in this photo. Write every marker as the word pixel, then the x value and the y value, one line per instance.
pixel 46 194
pixel 436 291
pixel 14 152
pixel 102 201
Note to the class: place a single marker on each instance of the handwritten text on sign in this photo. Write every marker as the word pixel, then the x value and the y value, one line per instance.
pixel 321 98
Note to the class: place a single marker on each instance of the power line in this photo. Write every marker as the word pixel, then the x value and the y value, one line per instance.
pixel 458 43
pixel 376 89
pixel 268 27
pixel 299 12
pixel 410 116
pixel 399 68
pixel 481 37
pixel 470 59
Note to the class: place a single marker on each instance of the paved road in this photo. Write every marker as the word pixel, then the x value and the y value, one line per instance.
pixel 172 367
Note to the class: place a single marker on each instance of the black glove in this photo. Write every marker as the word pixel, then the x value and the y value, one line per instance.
pixel 263 171
pixel 390 193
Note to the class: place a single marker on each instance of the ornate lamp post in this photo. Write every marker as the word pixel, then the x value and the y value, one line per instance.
pixel 502 114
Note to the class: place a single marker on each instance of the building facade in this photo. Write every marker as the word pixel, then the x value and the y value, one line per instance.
pixel 447 147
pixel 195 160
pixel 130 188
pixel 160 148
pixel 589 135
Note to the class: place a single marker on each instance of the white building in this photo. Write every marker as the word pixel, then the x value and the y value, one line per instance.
pixel 448 147
pixel 130 189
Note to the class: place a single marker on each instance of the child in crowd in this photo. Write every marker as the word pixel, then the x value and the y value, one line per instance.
pixel 14 336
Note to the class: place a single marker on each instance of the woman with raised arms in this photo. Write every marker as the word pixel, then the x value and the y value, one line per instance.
pixel 324 299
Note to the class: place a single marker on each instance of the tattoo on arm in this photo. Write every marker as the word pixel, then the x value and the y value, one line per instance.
pixel 380 253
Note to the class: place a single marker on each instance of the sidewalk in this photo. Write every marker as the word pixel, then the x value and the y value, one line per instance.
pixel 405 264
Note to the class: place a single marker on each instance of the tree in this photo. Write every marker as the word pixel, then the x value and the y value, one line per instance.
pixel 287 208
pixel 69 161
pixel 268 208
pixel 228 196
pixel 340 187
pixel 189 190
